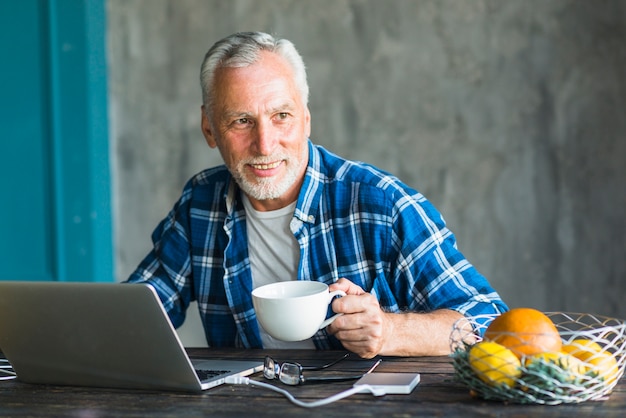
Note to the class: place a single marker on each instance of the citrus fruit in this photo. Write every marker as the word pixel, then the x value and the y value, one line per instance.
pixel 582 348
pixel 494 364
pixel 525 331
pixel 597 360
pixel 562 366
pixel 605 365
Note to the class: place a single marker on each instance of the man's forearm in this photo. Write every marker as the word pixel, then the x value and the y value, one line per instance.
pixel 419 334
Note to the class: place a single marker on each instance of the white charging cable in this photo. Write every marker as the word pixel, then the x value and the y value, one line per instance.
pixel 240 380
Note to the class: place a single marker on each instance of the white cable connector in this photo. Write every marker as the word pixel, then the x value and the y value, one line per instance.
pixel 237 380
pixel 371 389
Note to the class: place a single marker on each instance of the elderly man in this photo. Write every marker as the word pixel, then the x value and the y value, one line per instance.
pixel 282 208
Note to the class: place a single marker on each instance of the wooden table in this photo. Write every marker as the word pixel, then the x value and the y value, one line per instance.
pixel 436 395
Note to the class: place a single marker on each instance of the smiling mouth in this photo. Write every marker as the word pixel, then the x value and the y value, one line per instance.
pixel 266 166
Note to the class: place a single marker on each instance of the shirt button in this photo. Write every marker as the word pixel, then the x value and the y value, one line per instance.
pixel 311 218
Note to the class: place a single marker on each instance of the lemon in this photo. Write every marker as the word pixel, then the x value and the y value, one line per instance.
pixel 494 364
pixel 597 360
pixel 582 349
pixel 605 365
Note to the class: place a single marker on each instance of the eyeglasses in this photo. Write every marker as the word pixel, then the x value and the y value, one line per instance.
pixel 291 373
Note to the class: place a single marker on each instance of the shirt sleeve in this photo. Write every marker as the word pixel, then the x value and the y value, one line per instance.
pixel 167 267
pixel 434 272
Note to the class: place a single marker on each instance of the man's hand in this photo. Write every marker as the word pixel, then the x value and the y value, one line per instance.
pixel 367 331
pixel 364 327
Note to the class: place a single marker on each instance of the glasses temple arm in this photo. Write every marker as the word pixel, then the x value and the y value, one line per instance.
pixel 325 366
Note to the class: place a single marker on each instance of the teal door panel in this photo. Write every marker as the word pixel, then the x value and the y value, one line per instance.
pixel 27 216
pixel 55 220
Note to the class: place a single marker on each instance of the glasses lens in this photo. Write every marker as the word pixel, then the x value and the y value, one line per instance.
pixel 269 368
pixel 290 373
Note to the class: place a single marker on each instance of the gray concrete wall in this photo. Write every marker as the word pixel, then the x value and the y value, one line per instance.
pixel 508 115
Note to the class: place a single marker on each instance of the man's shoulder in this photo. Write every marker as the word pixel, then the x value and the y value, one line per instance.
pixel 338 169
pixel 210 177
pixel 210 183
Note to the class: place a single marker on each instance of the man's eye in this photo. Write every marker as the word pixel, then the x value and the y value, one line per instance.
pixel 283 115
pixel 242 121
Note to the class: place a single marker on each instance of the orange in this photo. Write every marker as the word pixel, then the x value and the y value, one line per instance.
pixel 494 364
pixel 525 331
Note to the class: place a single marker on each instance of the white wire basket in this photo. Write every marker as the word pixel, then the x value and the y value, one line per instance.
pixel 545 384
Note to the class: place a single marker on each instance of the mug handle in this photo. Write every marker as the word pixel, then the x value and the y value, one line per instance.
pixel 331 295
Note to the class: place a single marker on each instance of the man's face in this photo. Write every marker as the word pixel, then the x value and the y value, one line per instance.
pixel 260 125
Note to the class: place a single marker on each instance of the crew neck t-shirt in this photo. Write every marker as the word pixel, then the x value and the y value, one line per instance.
pixel 274 255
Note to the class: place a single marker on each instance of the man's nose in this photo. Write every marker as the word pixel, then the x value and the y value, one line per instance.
pixel 266 138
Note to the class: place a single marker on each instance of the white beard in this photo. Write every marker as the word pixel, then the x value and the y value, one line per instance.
pixel 267 188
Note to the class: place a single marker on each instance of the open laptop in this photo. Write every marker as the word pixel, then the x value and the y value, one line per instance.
pixel 102 335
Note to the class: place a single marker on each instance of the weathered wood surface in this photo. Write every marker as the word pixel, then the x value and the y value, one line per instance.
pixel 436 395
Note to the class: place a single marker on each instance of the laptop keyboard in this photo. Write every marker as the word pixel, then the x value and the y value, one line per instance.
pixel 209 374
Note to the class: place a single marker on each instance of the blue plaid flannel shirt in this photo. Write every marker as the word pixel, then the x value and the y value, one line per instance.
pixel 351 220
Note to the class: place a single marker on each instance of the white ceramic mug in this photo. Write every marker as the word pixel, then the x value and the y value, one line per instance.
pixel 294 310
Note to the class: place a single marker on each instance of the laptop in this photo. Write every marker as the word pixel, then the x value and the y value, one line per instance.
pixel 101 335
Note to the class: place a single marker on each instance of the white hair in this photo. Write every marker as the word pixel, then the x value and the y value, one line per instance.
pixel 241 50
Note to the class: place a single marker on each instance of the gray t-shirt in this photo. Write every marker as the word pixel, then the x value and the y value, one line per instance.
pixel 274 256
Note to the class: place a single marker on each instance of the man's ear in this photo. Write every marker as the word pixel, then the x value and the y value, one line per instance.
pixel 207 131
pixel 307 119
